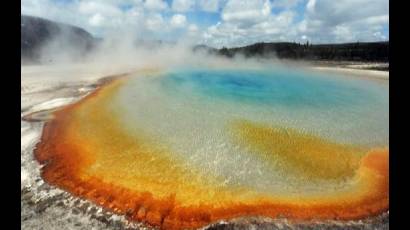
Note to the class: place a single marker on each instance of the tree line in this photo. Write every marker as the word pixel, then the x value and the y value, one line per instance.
pixel 359 51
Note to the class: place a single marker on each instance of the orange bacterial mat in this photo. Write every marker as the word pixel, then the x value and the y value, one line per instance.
pixel 87 150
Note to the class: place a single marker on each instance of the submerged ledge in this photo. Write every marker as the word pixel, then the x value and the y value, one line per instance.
pixel 59 170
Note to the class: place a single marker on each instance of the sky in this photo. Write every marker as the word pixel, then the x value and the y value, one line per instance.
pixel 223 23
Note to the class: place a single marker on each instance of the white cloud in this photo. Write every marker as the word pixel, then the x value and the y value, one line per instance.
pixel 231 33
pixel 182 5
pixel 246 22
pixel 92 7
pixel 155 5
pixel 154 22
pixel 178 21
pixel 310 6
pixel 343 11
pixel 103 17
pixel 246 11
pixel 323 21
pixel 193 28
pixel 209 5
pixel 285 3
pixel 242 21
pixel 198 5
pixel 193 33
pixel 96 20
pixel 344 20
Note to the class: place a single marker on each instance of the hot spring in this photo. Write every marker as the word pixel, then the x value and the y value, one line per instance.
pixel 187 147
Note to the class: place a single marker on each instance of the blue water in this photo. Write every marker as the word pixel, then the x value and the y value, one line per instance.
pixel 197 102
pixel 272 88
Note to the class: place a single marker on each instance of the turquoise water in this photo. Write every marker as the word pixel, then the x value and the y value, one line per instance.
pixel 272 88
pixel 188 111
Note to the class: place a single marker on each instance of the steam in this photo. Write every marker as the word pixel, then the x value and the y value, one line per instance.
pixel 123 50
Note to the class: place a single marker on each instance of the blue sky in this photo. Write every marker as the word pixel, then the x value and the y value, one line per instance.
pixel 223 22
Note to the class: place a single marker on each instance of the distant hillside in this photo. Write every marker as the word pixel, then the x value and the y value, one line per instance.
pixel 37 32
pixel 360 51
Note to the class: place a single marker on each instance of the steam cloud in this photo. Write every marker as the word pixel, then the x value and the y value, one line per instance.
pixel 123 50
